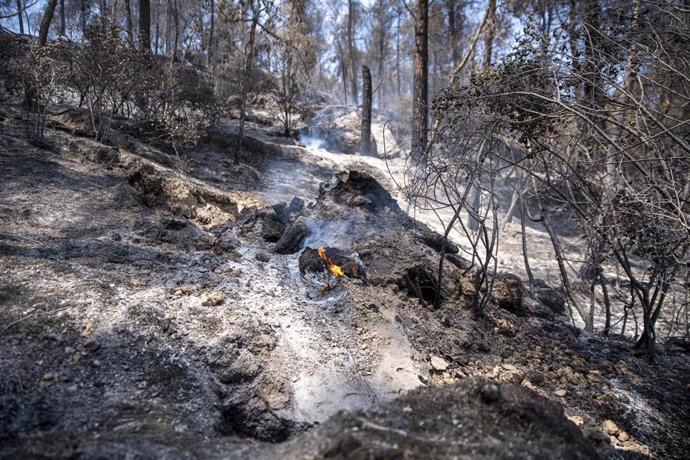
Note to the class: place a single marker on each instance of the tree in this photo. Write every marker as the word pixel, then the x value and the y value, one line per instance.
pixel 420 95
pixel 209 52
pixel 62 18
pixel 45 22
pixel 366 110
pixel 130 28
pixel 20 11
pixel 489 32
pixel 145 25
pixel 295 59
pixel 351 48
pixel 254 9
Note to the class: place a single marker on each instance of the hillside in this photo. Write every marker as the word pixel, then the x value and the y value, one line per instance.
pixel 173 306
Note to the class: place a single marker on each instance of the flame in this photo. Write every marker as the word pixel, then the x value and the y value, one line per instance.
pixel 333 268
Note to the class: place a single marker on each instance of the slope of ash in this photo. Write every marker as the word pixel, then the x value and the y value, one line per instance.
pixel 157 307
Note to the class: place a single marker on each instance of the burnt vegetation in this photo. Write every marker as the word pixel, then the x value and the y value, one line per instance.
pixel 382 229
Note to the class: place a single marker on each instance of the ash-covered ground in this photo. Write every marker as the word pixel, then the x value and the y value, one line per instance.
pixel 161 306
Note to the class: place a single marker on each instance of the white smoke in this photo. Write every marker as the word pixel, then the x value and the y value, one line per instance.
pixel 312 142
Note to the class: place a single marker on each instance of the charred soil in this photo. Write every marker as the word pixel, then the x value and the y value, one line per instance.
pixel 148 310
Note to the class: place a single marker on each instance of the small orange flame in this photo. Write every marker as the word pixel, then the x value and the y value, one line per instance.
pixel 333 268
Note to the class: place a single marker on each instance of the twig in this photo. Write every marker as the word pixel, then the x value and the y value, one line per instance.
pixel 375 426
pixel 17 237
pixel 36 314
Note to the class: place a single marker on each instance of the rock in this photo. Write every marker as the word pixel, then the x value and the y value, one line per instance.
pixel 273 226
pixel 623 436
pixel 577 420
pixel 293 237
pixel 560 392
pixel 490 392
pixel 609 427
pixel 91 345
pixel 508 367
pixel 262 256
pixel 439 363
pixel 185 289
pixel 88 330
pixel 173 223
pixel 212 299
pixel 47 379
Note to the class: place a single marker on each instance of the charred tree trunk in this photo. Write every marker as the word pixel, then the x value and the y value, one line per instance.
pixel 490 32
pixel 366 110
pixel 62 18
pixel 20 11
pixel 381 57
pixel 420 95
pixel 351 48
pixel 343 68
pixel 158 25
pixel 45 22
pixel 130 30
pixel 83 14
pixel 248 68
pixel 397 56
pixel 451 6
pixel 145 25
pixel 176 22
pixel 209 54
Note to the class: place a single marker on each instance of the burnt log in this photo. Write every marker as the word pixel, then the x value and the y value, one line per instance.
pixel 435 242
pixel 293 237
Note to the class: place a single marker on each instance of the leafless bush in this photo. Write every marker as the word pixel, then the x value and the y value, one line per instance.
pixel 598 114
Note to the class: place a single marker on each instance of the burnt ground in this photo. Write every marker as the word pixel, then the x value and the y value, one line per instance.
pixel 145 312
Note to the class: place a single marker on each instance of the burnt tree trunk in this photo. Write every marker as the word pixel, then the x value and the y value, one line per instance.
pixel 249 61
pixel 209 54
pixel 45 22
pixel 420 110
pixel 343 68
pixel 176 22
pixel 366 110
pixel 490 32
pixel 130 32
pixel 20 11
pixel 158 26
pixel 62 18
pixel 83 7
pixel 351 47
pixel 453 32
pixel 145 25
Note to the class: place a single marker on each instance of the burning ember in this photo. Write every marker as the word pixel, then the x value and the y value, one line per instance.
pixel 321 265
pixel 333 268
